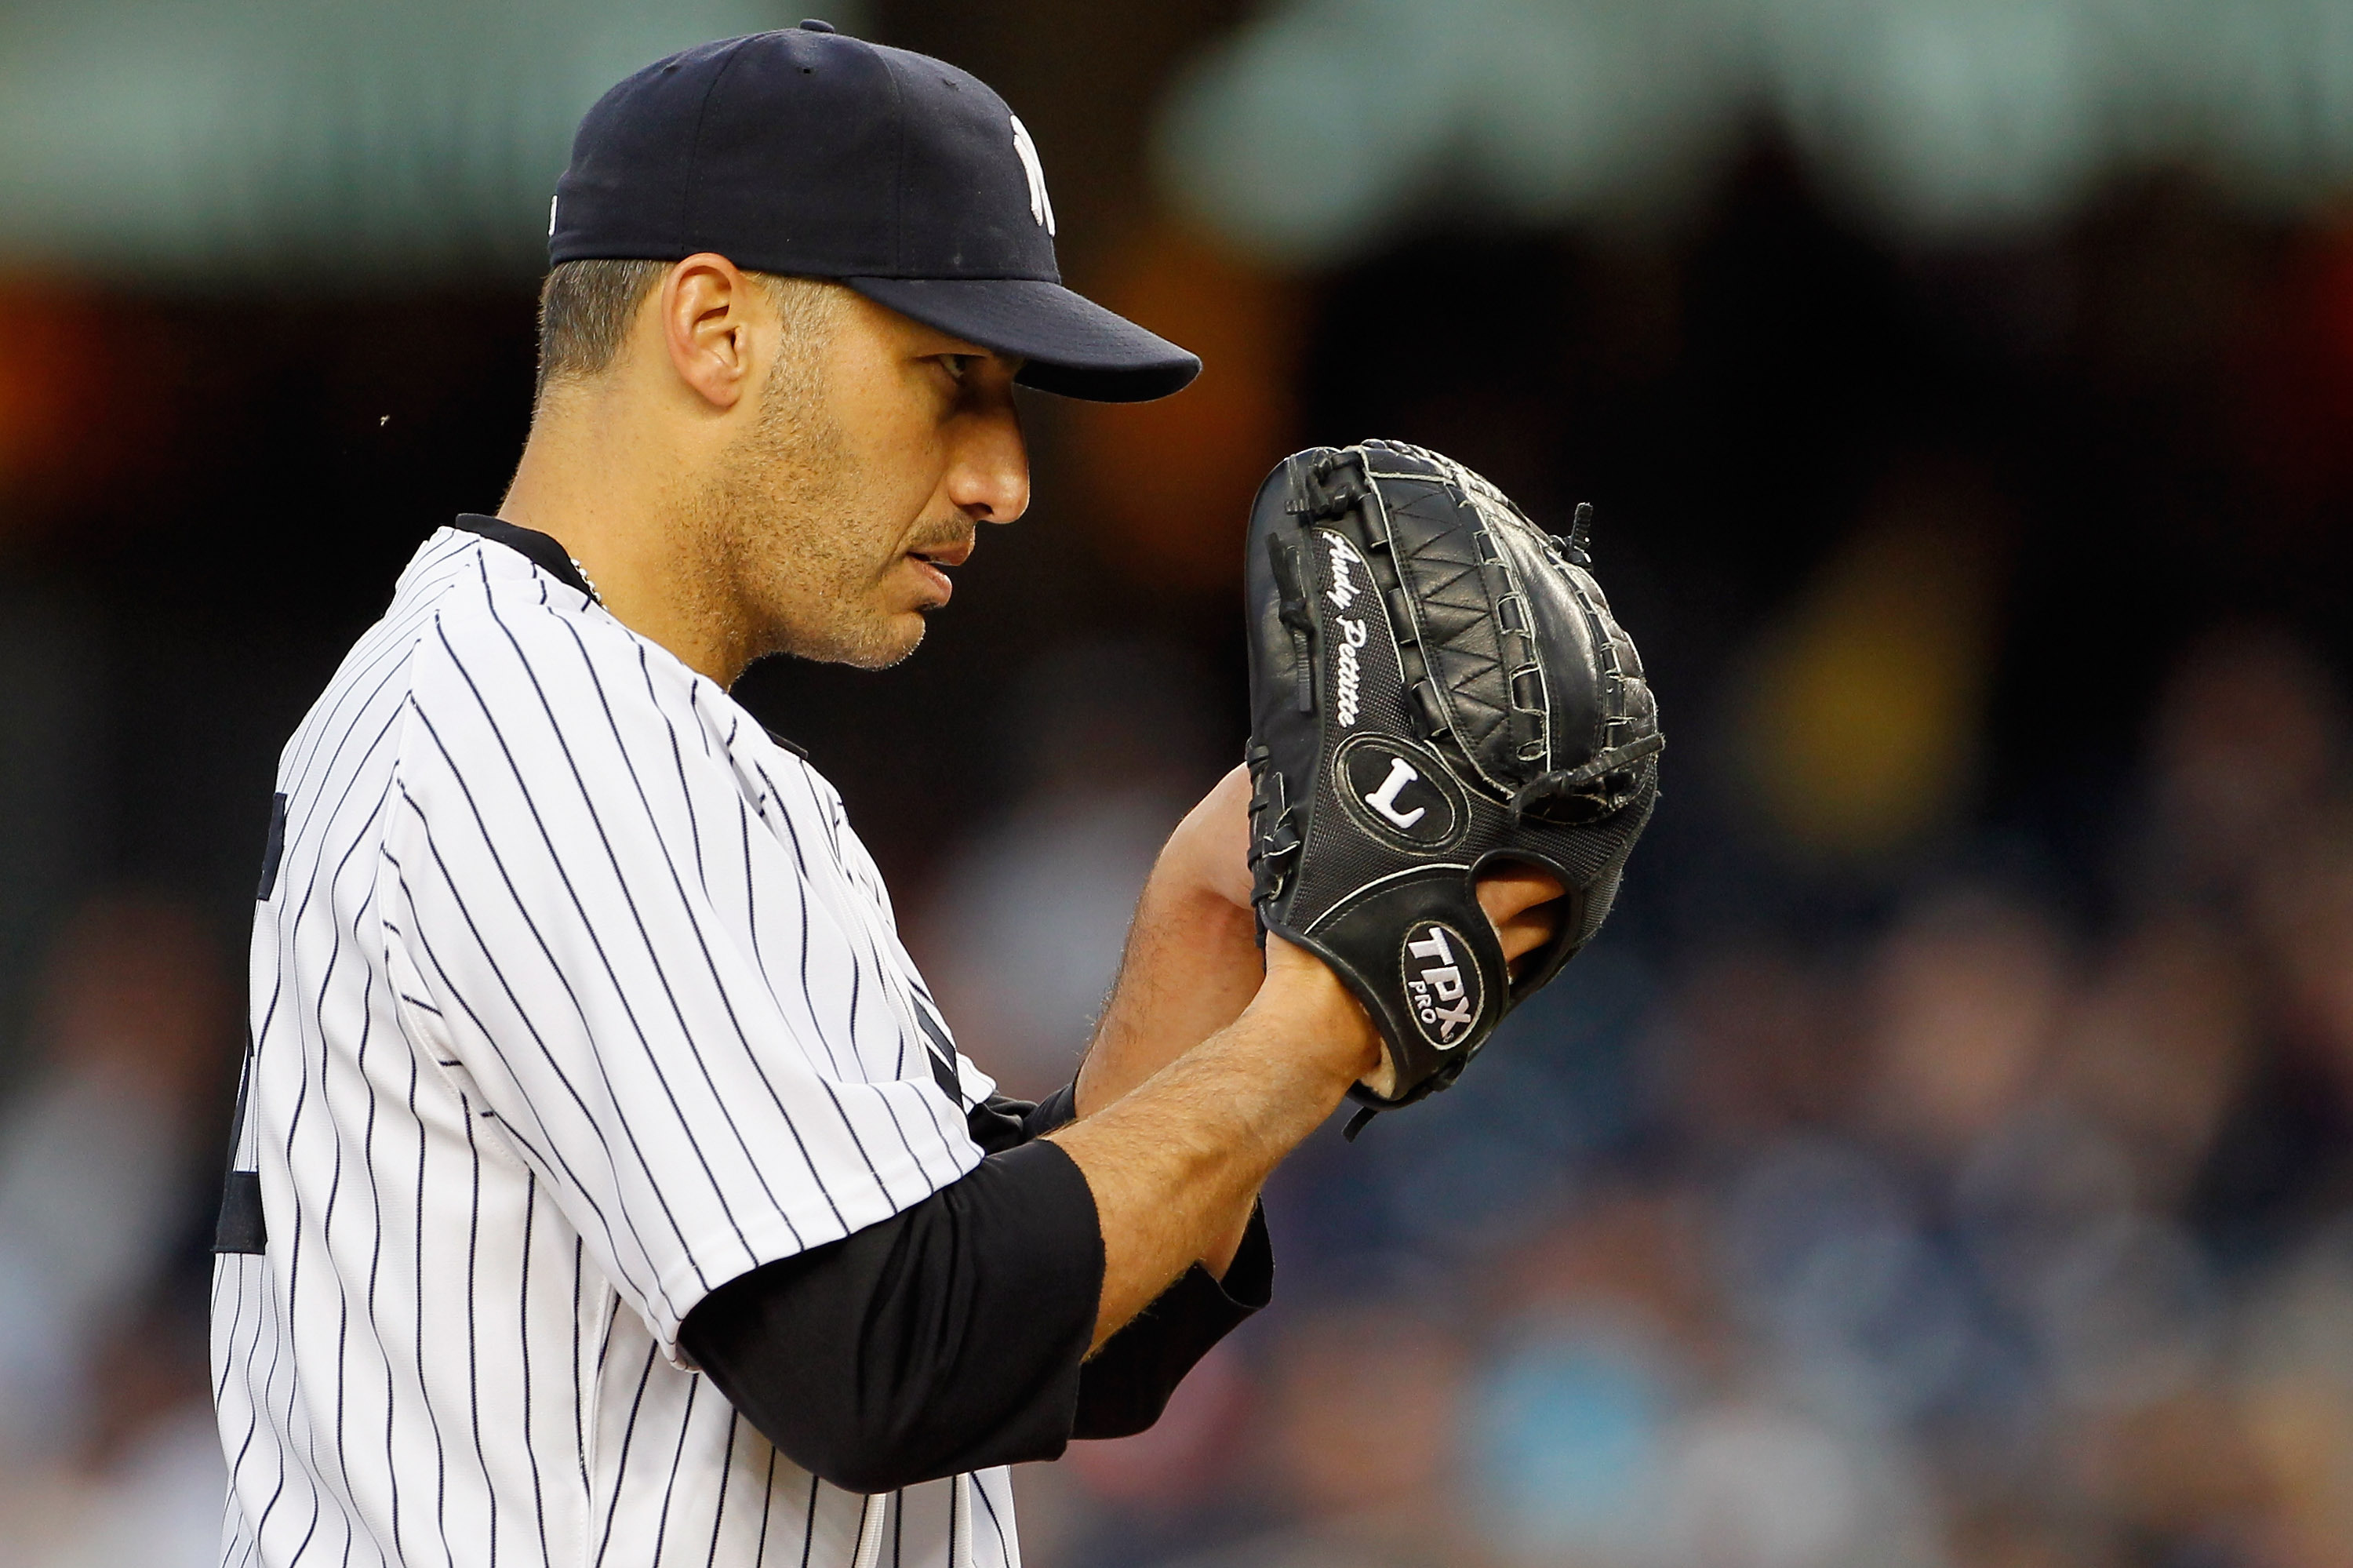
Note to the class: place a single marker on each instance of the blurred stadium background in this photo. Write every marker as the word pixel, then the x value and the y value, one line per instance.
pixel 1944 1159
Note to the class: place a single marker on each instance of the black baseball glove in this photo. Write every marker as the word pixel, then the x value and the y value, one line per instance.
pixel 1436 686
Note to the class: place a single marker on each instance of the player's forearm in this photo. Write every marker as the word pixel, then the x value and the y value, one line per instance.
pixel 1192 961
pixel 1192 965
pixel 1174 1161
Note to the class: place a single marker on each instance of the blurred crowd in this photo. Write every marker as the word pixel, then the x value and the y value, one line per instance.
pixel 1944 1158
pixel 1999 1215
pixel 2008 1225
pixel 2002 1220
pixel 109 1454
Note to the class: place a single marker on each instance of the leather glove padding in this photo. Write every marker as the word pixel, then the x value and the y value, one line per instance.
pixel 1436 686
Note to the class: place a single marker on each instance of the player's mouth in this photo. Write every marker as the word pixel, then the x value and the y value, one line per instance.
pixel 932 563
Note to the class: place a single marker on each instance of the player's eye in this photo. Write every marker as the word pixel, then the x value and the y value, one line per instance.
pixel 958 365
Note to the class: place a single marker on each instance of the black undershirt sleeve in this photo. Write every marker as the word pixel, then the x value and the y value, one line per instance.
pixel 998 1123
pixel 947 1338
pixel 952 1336
pixel 1124 1386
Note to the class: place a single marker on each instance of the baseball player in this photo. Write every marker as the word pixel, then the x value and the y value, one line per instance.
pixel 607 1187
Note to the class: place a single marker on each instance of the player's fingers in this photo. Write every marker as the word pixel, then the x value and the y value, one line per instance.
pixel 1512 889
pixel 1525 932
pixel 1523 902
pixel 1513 886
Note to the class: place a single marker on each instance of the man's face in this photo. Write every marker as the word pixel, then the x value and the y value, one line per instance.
pixel 875 453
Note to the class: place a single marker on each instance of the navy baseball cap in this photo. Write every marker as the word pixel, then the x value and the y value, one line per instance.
pixel 810 153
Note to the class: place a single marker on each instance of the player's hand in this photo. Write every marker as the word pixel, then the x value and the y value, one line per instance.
pixel 1192 962
pixel 1523 903
pixel 1325 1016
pixel 1209 851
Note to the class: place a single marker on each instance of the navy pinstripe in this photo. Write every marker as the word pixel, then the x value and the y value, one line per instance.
pixel 590 986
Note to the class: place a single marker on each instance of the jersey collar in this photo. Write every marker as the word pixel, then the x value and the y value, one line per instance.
pixel 541 551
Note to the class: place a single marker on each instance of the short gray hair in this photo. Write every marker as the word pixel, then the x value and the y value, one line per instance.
pixel 586 309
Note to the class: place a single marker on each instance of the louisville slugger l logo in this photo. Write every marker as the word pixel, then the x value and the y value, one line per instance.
pixel 1042 206
pixel 1384 800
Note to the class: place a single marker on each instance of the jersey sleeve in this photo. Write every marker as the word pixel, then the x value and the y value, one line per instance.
pixel 613 948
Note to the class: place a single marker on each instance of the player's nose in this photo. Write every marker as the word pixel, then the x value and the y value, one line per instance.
pixel 989 478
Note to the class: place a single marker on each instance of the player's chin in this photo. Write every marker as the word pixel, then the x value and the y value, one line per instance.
pixel 888 640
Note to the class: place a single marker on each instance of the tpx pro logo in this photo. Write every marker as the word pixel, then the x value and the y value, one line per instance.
pixel 1441 983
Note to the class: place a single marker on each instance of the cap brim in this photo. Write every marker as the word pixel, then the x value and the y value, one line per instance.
pixel 1073 346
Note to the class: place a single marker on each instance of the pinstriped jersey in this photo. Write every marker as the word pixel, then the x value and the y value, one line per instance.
pixel 573 997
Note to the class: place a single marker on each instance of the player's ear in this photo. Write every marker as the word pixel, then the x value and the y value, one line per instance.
pixel 706 312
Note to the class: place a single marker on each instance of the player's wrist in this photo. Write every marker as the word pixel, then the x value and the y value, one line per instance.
pixel 1318 1014
pixel 1197 912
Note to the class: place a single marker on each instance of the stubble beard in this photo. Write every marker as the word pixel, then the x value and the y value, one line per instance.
pixel 791 542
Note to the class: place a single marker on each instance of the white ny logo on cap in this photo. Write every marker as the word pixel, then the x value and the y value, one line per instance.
pixel 1042 206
